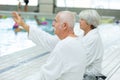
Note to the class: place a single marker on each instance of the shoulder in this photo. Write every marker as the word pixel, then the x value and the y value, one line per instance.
pixel 92 35
pixel 93 38
pixel 69 43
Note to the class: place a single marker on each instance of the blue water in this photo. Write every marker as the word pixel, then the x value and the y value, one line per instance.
pixel 11 42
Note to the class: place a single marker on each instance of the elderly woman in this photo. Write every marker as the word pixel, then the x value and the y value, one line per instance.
pixel 89 20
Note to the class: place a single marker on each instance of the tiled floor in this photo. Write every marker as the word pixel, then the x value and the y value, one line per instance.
pixel 22 63
pixel 111 63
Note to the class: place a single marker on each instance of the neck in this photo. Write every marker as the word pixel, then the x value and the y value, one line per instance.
pixel 70 34
pixel 87 30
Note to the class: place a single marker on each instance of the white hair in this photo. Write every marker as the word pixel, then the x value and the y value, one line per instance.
pixel 69 17
pixel 91 17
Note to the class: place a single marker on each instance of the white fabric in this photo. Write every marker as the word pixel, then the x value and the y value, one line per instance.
pixel 94 47
pixel 92 42
pixel 43 39
pixel 67 61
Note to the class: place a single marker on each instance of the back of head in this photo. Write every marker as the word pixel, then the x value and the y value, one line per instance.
pixel 91 17
pixel 68 17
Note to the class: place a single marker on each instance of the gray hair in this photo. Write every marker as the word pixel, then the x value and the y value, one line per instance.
pixel 69 17
pixel 91 17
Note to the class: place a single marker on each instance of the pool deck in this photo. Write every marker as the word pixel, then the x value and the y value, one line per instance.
pixel 29 14
pixel 19 65
pixel 22 64
pixel 111 63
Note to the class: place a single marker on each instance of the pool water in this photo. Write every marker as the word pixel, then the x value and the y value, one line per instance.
pixel 11 42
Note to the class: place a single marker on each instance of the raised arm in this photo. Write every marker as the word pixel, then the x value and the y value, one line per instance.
pixel 39 37
pixel 17 18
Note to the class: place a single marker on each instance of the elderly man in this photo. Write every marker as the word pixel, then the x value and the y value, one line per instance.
pixel 67 61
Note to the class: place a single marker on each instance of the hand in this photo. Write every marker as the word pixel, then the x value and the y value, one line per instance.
pixel 17 18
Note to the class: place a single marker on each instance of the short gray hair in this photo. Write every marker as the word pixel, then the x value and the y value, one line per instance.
pixel 91 17
pixel 69 17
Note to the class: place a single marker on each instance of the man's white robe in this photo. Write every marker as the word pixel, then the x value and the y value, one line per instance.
pixel 92 42
pixel 67 61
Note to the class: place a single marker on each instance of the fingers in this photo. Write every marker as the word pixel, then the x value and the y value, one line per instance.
pixel 14 15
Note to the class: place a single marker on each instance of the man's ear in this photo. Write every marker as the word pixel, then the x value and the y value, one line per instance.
pixel 65 26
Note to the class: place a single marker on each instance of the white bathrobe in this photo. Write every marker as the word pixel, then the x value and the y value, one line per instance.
pixel 92 42
pixel 94 47
pixel 43 39
pixel 67 61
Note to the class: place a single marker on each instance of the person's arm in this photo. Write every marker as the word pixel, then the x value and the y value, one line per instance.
pixel 17 18
pixel 37 20
pixel 39 37
pixel 42 38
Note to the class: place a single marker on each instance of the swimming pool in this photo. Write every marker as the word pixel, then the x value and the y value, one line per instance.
pixel 11 42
